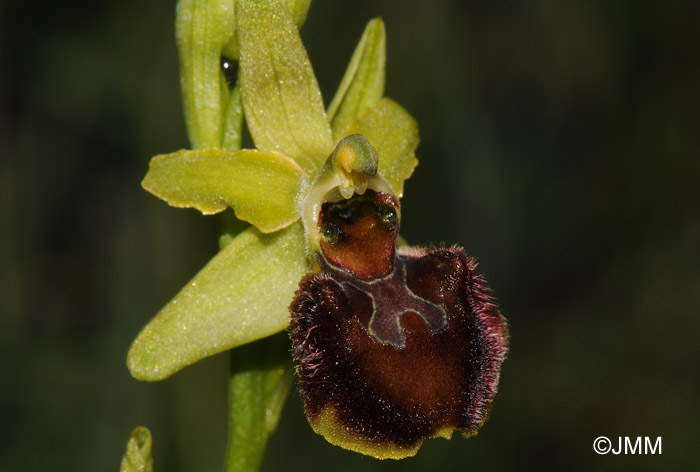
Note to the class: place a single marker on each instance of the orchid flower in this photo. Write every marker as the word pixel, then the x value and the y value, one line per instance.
pixel 413 330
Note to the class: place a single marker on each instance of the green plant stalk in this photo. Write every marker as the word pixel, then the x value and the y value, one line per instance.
pixel 259 383
pixel 260 378
pixel 261 373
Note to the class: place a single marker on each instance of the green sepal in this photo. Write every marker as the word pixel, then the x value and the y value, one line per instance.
pixel 363 83
pixel 261 187
pixel 202 29
pixel 282 102
pixel 394 134
pixel 298 8
pixel 243 294
pixel 137 457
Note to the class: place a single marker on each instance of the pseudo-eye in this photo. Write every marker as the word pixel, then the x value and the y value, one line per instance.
pixel 392 346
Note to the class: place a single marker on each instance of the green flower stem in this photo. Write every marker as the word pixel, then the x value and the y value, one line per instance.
pixel 233 122
pixel 261 372
pixel 261 377
pixel 203 27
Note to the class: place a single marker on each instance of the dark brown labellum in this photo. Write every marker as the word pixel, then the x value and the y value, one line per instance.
pixel 392 346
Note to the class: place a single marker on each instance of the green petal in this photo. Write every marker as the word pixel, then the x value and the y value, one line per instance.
pixel 394 134
pixel 281 99
pixel 202 29
pixel 363 83
pixel 243 294
pixel 261 187
pixel 137 457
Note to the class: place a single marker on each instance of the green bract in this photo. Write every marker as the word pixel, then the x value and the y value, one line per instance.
pixel 244 292
pixel 137 457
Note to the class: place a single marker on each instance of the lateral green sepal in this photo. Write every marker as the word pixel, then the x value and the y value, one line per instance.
pixel 241 295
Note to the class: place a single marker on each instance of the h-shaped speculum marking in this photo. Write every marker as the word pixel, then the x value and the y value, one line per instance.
pixel 391 299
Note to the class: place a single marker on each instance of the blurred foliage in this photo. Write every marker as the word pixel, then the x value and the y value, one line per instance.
pixel 559 146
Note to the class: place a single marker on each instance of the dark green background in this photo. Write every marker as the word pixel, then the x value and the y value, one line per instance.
pixel 559 146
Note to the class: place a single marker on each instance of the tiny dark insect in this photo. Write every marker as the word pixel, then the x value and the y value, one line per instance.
pixel 392 346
